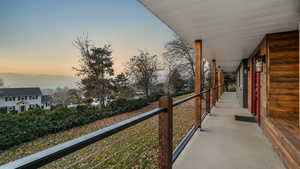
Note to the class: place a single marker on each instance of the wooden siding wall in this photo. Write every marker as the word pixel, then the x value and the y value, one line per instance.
pixel 279 91
pixel 283 87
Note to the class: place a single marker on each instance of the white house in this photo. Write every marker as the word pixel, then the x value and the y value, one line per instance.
pixel 20 99
pixel 46 102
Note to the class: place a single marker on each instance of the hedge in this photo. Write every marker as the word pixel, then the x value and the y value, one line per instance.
pixel 231 88
pixel 19 128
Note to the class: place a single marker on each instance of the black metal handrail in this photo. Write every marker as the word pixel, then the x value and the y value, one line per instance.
pixel 44 157
pixel 178 102
pixel 51 154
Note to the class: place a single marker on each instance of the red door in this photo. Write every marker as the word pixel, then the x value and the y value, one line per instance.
pixel 255 104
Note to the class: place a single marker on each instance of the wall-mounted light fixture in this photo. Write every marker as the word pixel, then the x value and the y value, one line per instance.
pixel 259 60
pixel 246 70
pixel 245 65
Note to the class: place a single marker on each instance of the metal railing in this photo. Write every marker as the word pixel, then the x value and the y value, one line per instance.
pixel 166 156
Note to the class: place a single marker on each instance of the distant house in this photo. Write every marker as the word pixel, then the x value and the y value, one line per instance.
pixel 20 99
pixel 46 102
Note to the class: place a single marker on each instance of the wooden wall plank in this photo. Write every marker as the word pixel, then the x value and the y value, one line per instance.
pixel 283 89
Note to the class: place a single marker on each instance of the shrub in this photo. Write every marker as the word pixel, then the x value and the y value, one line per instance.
pixel 22 127
pixel 122 105
pixel 13 112
pixel 231 88
pixel 3 110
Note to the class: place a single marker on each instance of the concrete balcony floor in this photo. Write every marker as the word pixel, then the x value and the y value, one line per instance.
pixel 228 144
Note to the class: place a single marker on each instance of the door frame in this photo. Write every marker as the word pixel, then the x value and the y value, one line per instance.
pixel 255 92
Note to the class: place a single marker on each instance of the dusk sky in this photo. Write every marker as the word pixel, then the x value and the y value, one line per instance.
pixel 36 35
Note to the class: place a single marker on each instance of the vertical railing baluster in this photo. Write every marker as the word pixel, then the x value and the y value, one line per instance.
pixel 165 133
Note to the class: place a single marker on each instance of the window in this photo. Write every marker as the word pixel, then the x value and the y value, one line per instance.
pixel 6 99
pixel 25 97
pixel 19 98
pixel 30 97
pixel 14 98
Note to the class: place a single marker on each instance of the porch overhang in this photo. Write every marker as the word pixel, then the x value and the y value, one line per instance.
pixel 231 29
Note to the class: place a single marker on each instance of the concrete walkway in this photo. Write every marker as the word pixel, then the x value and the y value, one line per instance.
pixel 228 144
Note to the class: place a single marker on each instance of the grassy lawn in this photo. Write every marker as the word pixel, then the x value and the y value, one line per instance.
pixel 135 147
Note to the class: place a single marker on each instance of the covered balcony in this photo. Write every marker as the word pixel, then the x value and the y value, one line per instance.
pixel 259 42
pixel 256 127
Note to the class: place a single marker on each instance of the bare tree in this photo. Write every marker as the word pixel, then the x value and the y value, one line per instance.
pixel 180 57
pixel 176 80
pixel 181 54
pixel 95 69
pixel 74 96
pixel 60 96
pixel 171 66
pixel 143 68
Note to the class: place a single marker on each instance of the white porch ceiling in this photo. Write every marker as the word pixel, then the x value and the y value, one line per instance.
pixel 230 29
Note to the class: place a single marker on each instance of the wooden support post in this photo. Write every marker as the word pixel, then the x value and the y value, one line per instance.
pixel 208 101
pixel 213 82
pixel 223 82
pixel 198 82
pixel 165 133
pixel 219 82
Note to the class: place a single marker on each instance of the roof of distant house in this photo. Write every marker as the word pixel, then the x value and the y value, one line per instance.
pixel 34 91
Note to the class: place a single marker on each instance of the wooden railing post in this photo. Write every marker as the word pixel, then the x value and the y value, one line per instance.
pixel 208 101
pixel 217 85
pixel 213 77
pixel 165 133
pixel 198 83
pixel 219 82
pixel 222 81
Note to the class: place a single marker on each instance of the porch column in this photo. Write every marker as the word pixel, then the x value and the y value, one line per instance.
pixel 198 82
pixel 223 82
pixel 223 87
pixel 216 85
pixel 213 80
pixel 219 82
